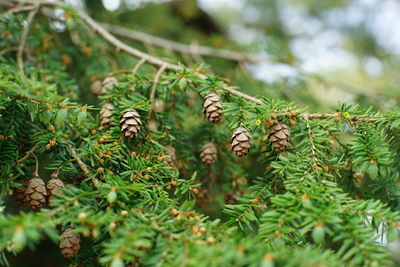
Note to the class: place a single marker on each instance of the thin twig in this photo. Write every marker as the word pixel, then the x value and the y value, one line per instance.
pixel 155 82
pixel 138 65
pixel 24 36
pixel 16 10
pixel 36 173
pixel 312 146
pixel 336 115
pixel 80 163
pixel 28 153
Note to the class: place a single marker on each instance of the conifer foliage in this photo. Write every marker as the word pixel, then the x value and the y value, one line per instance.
pixel 109 190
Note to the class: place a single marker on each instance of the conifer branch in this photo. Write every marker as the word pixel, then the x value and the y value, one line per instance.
pixel 144 57
pixel 159 62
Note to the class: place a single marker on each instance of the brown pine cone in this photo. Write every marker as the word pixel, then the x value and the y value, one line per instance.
pixel 106 114
pixel 171 156
pixel 97 88
pixel 212 107
pixel 130 124
pixel 108 84
pixel 54 186
pixel 20 196
pixel 240 142
pixel 279 137
pixel 36 193
pixel 208 153
pixel 70 243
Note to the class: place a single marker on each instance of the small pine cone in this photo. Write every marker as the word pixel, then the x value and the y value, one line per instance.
pixel 36 193
pixel 130 124
pixel 212 107
pixel 97 88
pixel 70 243
pixel 54 186
pixel 106 114
pixel 171 159
pixel 20 196
pixel 240 142
pixel 208 153
pixel 279 137
pixel 108 83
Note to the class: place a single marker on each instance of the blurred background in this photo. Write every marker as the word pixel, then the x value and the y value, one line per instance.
pixel 312 52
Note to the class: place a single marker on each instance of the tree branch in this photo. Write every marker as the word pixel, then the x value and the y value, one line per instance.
pixel 24 36
pixel 80 163
pixel 183 48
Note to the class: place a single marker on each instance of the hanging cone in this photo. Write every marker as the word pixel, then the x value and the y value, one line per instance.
pixel 70 243
pixel 171 156
pixel 130 124
pixel 240 142
pixel 279 137
pixel 20 196
pixel 108 84
pixel 97 88
pixel 212 107
pixel 36 193
pixel 208 153
pixel 54 186
pixel 106 114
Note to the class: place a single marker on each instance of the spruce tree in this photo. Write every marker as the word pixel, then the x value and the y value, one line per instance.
pixel 122 157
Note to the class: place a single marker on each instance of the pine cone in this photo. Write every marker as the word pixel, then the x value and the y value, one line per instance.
pixel 171 159
pixel 106 114
pixel 213 108
pixel 279 137
pixel 130 124
pixel 36 193
pixel 240 142
pixel 97 88
pixel 20 196
pixel 70 243
pixel 108 84
pixel 208 153
pixel 54 186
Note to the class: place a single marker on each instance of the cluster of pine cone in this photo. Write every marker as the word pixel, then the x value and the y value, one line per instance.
pixel 130 124
pixel 36 194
